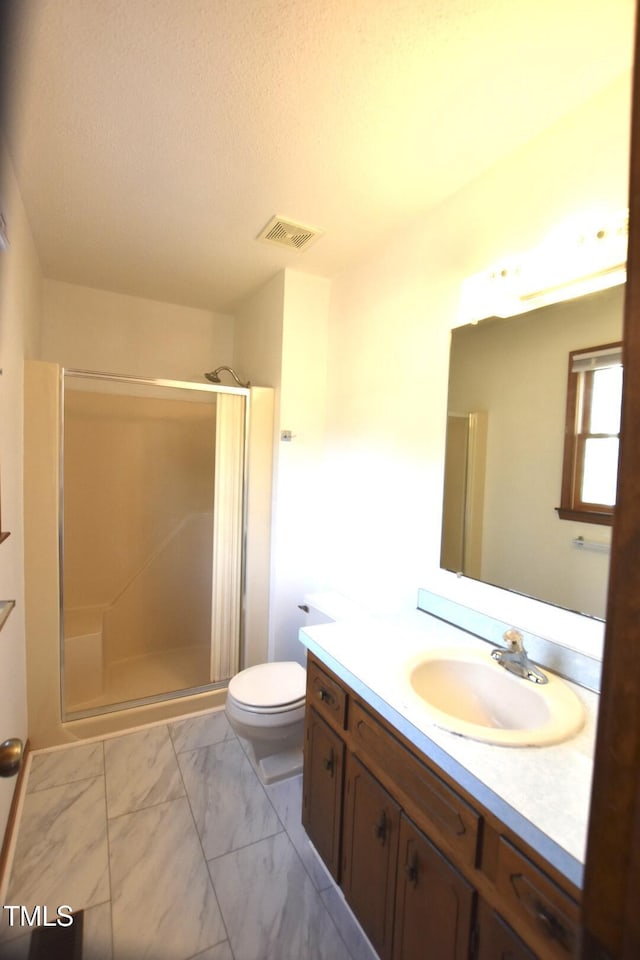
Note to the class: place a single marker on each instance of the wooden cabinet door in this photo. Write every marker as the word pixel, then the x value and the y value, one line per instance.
pixel 434 903
pixel 496 940
pixel 322 789
pixel 370 854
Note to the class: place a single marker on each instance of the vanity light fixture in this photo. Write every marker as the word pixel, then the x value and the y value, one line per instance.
pixel 591 283
pixel 573 261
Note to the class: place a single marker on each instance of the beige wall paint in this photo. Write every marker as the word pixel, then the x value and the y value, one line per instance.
pixel 389 341
pixel 91 329
pixel 20 291
pixel 517 371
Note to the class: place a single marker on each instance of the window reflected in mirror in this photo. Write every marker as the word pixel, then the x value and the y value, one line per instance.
pixel 592 434
pixel 505 453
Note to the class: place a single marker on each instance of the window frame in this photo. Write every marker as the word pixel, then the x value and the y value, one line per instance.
pixel 575 437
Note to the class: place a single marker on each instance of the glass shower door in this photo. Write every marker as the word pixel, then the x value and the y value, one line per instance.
pixel 152 540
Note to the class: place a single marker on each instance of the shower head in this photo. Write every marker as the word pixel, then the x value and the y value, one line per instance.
pixel 214 376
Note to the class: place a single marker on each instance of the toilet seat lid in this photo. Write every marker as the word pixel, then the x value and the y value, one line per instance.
pixel 269 684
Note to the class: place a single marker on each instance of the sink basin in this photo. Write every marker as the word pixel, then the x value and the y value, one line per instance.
pixel 468 693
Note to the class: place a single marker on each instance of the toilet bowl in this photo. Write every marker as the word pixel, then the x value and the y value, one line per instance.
pixel 265 707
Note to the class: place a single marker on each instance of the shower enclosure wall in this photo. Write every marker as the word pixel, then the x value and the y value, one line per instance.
pixel 152 507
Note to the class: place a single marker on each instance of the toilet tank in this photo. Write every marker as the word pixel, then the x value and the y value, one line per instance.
pixel 328 607
pixel 324 608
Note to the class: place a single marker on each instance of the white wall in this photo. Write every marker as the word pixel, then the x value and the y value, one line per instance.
pixel 115 333
pixel 20 281
pixel 389 341
pixel 298 491
pixel 385 418
pixel 257 349
pixel 281 342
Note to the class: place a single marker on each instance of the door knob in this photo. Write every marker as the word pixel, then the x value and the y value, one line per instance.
pixel 10 757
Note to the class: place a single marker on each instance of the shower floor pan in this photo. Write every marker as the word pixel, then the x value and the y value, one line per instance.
pixel 145 676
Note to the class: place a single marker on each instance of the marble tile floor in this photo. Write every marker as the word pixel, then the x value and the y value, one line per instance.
pixel 175 850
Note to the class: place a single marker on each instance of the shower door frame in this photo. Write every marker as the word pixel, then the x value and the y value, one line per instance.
pixel 70 716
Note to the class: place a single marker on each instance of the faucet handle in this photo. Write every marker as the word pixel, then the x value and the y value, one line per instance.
pixel 514 640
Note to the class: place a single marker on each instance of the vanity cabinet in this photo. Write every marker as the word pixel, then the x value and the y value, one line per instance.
pixel 536 900
pixel 370 854
pixel 434 902
pixel 322 791
pixel 496 940
pixel 429 873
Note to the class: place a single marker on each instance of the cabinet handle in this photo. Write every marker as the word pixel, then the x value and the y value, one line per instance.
pixel 324 695
pixel 411 869
pixel 328 763
pixel 551 925
pixel 545 918
pixel 380 829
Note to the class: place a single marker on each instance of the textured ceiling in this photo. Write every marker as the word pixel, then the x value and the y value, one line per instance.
pixel 153 139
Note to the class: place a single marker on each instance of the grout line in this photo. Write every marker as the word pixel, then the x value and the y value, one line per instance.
pixel 63 783
pixel 196 956
pixel 353 919
pixel 148 806
pixel 245 846
pixel 106 817
pixel 284 827
pixel 195 827
pixel 317 891
pixel 230 735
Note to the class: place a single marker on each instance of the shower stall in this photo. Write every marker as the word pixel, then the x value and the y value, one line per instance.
pixel 152 508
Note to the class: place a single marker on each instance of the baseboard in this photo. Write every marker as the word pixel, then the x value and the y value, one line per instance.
pixel 10 834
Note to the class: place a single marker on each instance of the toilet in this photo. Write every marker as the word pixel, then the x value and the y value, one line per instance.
pixel 265 707
pixel 265 703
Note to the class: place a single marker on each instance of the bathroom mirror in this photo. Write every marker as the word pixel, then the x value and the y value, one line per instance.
pixel 503 464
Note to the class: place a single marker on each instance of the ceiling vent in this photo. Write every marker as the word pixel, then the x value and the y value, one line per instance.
pixel 286 233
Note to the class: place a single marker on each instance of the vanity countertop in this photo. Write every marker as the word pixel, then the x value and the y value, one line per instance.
pixel 541 793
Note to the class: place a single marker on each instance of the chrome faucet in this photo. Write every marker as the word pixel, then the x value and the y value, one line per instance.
pixel 515 659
